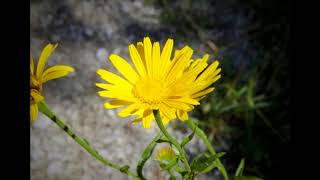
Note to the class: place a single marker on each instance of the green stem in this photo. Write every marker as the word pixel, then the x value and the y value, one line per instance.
pixel 202 135
pixel 43 107
pixel 172 140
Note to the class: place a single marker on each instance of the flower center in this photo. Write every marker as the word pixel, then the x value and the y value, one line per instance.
pixel 149 90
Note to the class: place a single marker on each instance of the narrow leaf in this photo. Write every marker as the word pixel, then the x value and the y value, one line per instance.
pixel 203 161
pixel 240 168
pixel 170 164
pixel 187 139
pixel 124 168
pixel 146 155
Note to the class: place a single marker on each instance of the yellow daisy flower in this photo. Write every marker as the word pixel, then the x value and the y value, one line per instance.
pixel 172 86
pixel 165 154
pixel 40 75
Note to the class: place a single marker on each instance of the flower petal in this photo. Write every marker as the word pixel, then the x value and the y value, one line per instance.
pixel 44 56
pixel 33 112
pixel 178 64
pixel 156 59
pixel 31 64
pixel 113 78
pixel 177 105
pixel 167 111
pixel 124 68
pixel 166 54
pixel 137 61
pixel 147 47
pixel 182 115
pixel 202 93
pixel 147 118
pixel 36 96
pixel 56 72
pixel 128 111
pixel 208 71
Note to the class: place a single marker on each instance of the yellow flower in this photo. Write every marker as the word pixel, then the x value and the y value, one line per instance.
pixel 165 154
pixel 40 75
pixel 172 86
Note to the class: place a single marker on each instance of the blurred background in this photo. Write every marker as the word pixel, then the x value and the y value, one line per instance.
pixel 246 116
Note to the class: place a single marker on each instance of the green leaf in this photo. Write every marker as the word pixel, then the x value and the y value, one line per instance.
pixel 240 168
pixel 146 154
pixel 204 162
pixel 241 91
pixel 187 139
pixel 124 168
pixel 170 164
pixel 181 170
pixel 246 178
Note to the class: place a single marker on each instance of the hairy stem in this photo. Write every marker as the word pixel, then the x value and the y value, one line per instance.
pixel 43 107
pixel 203 136
pixel 172 140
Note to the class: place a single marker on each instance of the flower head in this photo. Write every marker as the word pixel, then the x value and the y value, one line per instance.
pixel 172 86
pixel 165 154
pixel 40 75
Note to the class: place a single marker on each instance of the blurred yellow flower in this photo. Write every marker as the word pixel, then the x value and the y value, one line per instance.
pixel 165 154
pixel 40 75
pixel 172 86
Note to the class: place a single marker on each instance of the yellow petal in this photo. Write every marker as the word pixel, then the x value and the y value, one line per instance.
pixel 156 59
pixel 121 95
pixel 140 49
pixel 137 61
pixel 36 96
pixel 182 115
pixel 115 104
pixel 135 121
pixel 203 85
pixel 147 47
pixel 113 78
pixel 147 118
pixel 104 86
pixel 31 64
pixel 177 105
pixel 202 93
pixel 208 71
pixel 166 54
pixel 128 111
pixel 186 100
pixel 165 119
pixel 44 56
pixel 124 68
pixel 56 72
pixel 179 65
pixel 33 82
pixel 115 88
pixel 167 111
pixel 216 72
pixel 33 112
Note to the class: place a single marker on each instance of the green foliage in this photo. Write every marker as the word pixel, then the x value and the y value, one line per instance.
pixel 124 168
pixel 187 139
pixel 240 168
pixel 204 162
pixel 170 164
pixel 146 155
